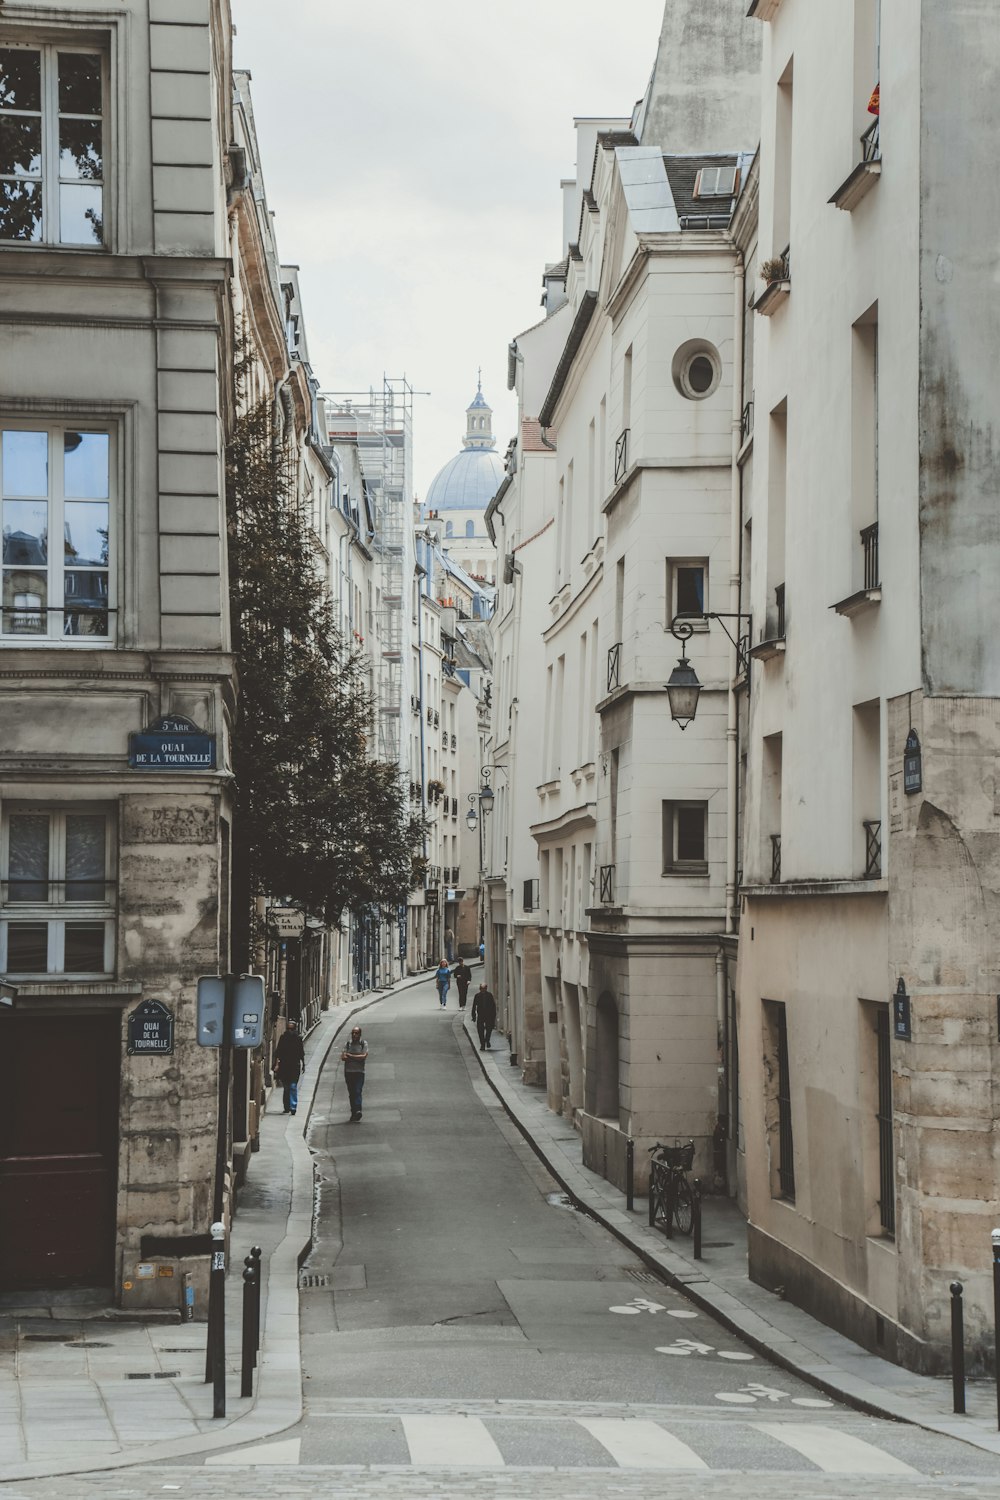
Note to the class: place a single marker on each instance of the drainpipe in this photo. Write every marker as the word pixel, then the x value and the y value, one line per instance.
pixel 735 574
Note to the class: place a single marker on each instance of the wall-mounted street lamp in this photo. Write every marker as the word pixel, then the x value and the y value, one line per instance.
pixel 683 686
pixel 485 797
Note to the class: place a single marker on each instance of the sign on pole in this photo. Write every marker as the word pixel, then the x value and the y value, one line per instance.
pixel 247 1025
pixel 248 1011
pixel 211 1010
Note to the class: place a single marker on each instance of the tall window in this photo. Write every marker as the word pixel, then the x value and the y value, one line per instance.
pixel 52 145
pixel 57 895
pixel 55 484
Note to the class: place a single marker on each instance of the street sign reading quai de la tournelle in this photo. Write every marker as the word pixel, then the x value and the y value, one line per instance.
pixel 171 743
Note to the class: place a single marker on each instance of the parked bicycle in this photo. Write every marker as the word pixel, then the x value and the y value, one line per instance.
pixel 670 1195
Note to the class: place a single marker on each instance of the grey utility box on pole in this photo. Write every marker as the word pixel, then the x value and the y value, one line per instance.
pixel 246 1009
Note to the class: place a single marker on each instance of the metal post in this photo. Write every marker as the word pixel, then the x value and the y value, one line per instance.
pixel 247 1363
pixel 256 1253
pixel 630 1174
pixel 957 1350
pixel 696 1217
pixel 670 1198
pixel 216 1289
pixel 217 1328
pixel 652 1193
pixel 995 1238
pixel 187 1298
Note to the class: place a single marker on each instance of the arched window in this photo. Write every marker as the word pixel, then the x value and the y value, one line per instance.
pixel 606 1101
pixel 449 528
pixel 470 528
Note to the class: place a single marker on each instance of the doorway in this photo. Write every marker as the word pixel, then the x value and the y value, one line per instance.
pixel 59 1150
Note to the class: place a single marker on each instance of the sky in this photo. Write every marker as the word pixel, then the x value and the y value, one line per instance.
pixel 412 155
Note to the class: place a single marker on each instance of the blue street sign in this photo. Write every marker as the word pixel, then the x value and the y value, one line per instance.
pixel 171 743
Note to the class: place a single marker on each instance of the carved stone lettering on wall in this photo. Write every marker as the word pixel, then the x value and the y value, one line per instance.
pixel 158 824
pixel 896 802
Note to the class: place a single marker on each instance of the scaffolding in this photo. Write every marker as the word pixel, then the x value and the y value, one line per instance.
pixel 383 426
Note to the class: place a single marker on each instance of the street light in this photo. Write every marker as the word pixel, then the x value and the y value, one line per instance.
pixel 683 686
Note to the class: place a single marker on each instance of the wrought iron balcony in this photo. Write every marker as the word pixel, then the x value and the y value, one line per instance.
pixel 775 858
pixel 746 421
pixel 607 885
pixel 870 592
pixel 869 544
pixel 871 148
pixel 614 666
pixel 621 455
pixel 873 848
pixel 859 183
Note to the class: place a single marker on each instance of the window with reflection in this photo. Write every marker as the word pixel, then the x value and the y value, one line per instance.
pixel 55 499
pixel 52 140
pixel 57 891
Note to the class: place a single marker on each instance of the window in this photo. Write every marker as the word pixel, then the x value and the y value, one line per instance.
pixel 55 482
pixel 685 838
pixel 470 528
pixel 449 528
pixel 52 145
pixel 717 182
pixel 57 895
pixel 696 369
pixel 778 1101
pixel 687 589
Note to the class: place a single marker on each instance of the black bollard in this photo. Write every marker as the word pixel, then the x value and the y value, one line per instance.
pixel 256 1254
pixel 653 1181
pixel 957 1350
pixel 995 1238
pixel 696 1217
pixel 217 1329
pixel 630 1174
pixel 249 1278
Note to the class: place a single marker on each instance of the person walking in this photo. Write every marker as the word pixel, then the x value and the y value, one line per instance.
pixel 463 978
pixel 484 1013
pixel 354 1057
pixel 443 981
pixel 289 1065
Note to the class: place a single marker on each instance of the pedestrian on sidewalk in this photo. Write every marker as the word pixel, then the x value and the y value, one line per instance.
pixel 354 1057
pixel 484 1013
pixel 289 1065
pixel 463 978
pixel 443 981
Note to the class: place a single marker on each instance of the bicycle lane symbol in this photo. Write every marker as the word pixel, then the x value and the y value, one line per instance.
pixel 754 1391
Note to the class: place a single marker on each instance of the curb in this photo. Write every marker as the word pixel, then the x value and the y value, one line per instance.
pixel 681 1282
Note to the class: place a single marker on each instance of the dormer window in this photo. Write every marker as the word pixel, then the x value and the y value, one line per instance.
pixel 717 182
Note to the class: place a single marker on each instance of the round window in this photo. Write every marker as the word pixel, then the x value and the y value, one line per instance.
pixel 697 369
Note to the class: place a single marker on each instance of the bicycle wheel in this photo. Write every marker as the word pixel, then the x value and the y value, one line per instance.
pixel 683 1205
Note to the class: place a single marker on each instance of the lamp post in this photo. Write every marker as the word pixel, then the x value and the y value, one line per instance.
pixel 683 687
pixel 485 798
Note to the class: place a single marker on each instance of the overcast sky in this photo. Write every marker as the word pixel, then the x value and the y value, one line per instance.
pixel 412 155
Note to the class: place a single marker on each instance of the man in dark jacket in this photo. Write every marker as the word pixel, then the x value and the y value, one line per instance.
pixel 463 978
pixel 484 1013
pixel 289 1065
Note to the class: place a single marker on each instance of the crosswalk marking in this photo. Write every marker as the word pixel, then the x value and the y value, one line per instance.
pixel 439 1441
pixel 834 1451
pixel 635 1444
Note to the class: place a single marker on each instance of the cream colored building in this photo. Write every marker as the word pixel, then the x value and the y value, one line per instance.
pixel 871 1137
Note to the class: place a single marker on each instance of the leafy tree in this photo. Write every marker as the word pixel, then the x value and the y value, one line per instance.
pixel 318 821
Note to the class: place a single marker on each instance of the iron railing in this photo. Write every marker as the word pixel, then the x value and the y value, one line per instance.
pixel 873 848
pixel 779 607
pixel 607 885
pixel 883 1117
pixel 786 1162
pixel 775 858
pixel 614 666
pixel 621 455
pixel 871 149
pixel 869 543
pixel 746 421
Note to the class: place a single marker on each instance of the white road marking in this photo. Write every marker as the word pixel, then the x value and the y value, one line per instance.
pixel 733 1354
pixel 436 1442
pixel 286 1452
pixel 834 1451
pixel 680 1312
pixel 634 1444
pixel 736 1398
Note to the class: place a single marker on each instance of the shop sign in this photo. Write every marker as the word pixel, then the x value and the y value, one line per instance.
pixel 286 921
pixel 150 1029
pixel 171 743
pixel 431 896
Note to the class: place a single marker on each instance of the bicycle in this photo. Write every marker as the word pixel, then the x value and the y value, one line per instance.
pixel 670 1195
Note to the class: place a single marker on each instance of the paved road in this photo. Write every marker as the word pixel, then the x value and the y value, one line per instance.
pixel 465 1333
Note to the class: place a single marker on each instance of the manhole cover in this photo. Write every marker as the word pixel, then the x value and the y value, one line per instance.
pixel 307 1278
pixel 44 1338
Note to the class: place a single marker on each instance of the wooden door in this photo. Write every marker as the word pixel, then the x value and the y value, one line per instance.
pixel 58 1150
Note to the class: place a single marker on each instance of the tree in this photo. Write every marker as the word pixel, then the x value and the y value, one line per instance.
pixel 318 821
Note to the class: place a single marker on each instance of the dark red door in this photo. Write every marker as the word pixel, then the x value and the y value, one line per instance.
pixel 58 1150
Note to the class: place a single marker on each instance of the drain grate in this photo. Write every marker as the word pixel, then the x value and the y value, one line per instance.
pixel 153 1375
pixel 183 1349
pixel 87 1344
pixel 44 1338
pixel 311 1278
pixel 718 1244
pixel 645 1278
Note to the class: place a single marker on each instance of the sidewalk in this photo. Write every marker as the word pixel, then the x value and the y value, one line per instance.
pixel 720 1283
pixel 81 1388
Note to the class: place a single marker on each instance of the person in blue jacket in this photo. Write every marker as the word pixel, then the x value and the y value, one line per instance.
pixel 443 981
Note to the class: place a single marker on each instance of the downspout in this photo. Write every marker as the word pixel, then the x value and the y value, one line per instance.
pixel 422 956
pixel 735 597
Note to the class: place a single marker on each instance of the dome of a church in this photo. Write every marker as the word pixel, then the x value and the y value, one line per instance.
pixel 470 479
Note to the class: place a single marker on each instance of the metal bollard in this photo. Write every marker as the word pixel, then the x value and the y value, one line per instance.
pixel 630 1174
pixel 217 1325
pixel 696 1217
pixel 670 1199
pixel 256 1253
pixel 652 1193
pixel 249 1277
pixel 995 1238
pixel 957 1349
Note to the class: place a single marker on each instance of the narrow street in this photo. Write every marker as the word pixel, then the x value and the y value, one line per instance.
pixel 465 1333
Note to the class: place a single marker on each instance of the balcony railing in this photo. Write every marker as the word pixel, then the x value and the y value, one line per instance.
pixel 869 544
pixel 621 455
pixel 779 608
pixel 873 848
pixel 775 858
pixel 607 885
pixel 871 149
pixel 746 421
pixel 454 742
pixel 614 666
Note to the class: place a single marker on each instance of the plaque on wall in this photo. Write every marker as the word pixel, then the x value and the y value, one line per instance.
pixel 150 1030
pixel 171 743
